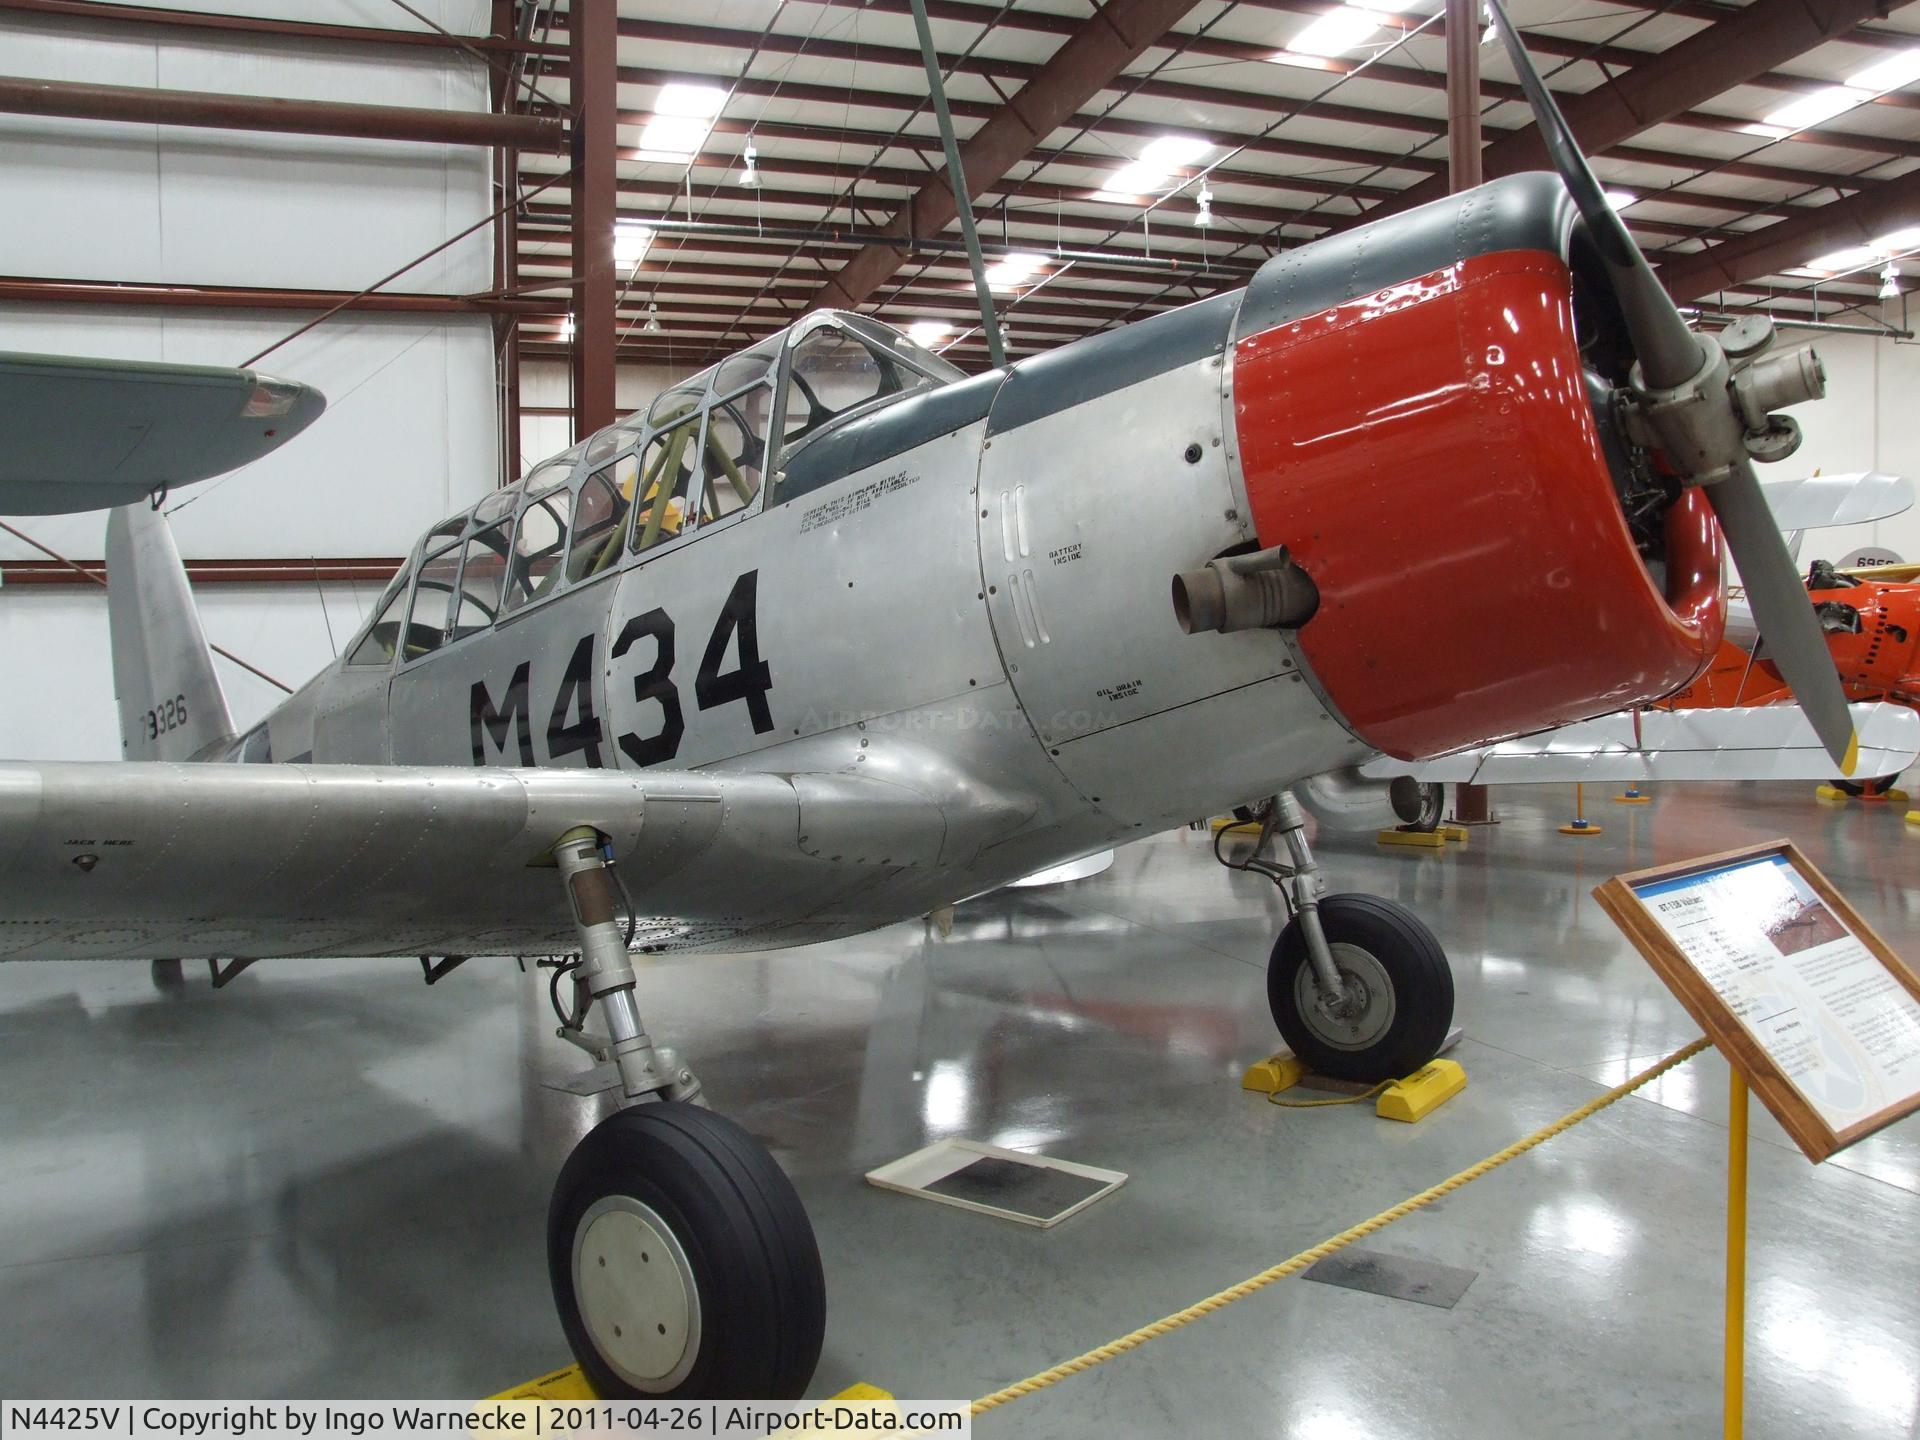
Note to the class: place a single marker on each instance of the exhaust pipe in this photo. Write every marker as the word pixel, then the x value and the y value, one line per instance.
pixel 1346 800
pixel 1262 591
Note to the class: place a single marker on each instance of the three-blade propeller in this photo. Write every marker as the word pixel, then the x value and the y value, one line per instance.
pixel 1670 357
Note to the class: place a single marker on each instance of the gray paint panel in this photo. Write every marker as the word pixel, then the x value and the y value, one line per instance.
pixel 1102 364
pixel 1531 211
pixel 886 433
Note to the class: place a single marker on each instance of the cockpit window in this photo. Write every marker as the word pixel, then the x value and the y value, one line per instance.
pixel 432 603
pixel 449 529
pixel 742 370
pixel 376 646
pixel 538 546
pixel 596 525
pixel 736 452
pixel 669 471
pixel 832 372
pixel 496 506
pixel 670 405
pixel 482 573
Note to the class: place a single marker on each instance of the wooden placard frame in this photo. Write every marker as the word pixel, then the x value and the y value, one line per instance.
pixel 1794 1112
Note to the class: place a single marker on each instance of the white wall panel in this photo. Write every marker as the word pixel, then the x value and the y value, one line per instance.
pixel 408 437
pixel 60 677
pixel 93 200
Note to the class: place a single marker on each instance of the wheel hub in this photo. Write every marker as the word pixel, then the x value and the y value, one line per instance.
pixel 636 1294
pixel 1364 1013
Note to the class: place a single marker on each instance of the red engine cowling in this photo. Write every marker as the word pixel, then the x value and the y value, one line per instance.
pixel 1427 453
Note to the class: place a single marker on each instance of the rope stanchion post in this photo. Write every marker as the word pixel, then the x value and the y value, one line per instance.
pixel 1733 1424
pixel 1200 1309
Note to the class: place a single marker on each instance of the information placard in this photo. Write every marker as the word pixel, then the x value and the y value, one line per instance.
pixel 1819 1016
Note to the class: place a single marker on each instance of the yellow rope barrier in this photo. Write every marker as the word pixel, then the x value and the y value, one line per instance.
pixel 1104 1353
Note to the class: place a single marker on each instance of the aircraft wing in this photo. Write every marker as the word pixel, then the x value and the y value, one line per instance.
pixel 79 434
pixel 1764 742
pixel 1855 498
pixel 147 860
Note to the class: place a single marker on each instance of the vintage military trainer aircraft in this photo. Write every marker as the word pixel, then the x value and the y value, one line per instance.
pixel 833 636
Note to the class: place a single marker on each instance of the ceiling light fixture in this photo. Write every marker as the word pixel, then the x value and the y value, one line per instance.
pixel 1010 271
pixel 1851 258
pixel 1203 217
pixel 631 243
pixel 1334 33
pixel 749 174
pixel 1891 74
pixel 653 326
pixel 1890 282
pixel 1809 110
pixel 1150 173
pixel 683 114
pixel 928 333
pixel 1621 199
pixel 566 326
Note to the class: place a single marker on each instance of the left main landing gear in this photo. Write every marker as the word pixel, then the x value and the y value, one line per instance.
pixel 1359 986
pixel 682 1261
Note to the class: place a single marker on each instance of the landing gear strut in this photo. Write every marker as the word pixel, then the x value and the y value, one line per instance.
pixel 682 1261
pixel 1359 987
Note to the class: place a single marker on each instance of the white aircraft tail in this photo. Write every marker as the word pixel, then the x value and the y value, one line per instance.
pixel 171 704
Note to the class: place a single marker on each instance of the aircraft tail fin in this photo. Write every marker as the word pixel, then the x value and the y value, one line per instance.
pixel 171 704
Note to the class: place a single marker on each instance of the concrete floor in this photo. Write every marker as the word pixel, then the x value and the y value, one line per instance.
pixel 330 1180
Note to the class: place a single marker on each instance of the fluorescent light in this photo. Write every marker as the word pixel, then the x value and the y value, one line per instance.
pixel 1335 32
pixel 1151 171
pixel 682 117
pixel 1822 105
pixel 630 243
pixel 1170 152
pixel 1132 180
pixel 1007 272
pixel 1621 199
pixel 673 137
pixel 1852 258
pixel 1890 74
pixel 1899 241
pixel 701 102
pixel 928 333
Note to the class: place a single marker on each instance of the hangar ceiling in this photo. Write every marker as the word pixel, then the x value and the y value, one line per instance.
pixel 1745 141
pixel 774 155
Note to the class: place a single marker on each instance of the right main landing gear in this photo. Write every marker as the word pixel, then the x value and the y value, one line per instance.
pixel 682 1261
pixel 1358 985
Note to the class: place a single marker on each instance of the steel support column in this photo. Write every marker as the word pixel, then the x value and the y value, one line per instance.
pixel 1463 94
pixel 593 78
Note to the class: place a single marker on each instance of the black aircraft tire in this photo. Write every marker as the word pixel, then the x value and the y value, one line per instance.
pixel 725 1257
pixel 1391 953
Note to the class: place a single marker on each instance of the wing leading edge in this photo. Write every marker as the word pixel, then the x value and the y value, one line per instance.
pixel 154 860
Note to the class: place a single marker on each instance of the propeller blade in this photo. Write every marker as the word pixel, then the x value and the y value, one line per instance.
pixel 1782 612
pixel 1668 351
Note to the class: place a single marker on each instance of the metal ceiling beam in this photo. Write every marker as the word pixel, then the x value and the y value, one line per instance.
pixel 1709 62
pixel 297 117
pixel 1856 220
pixel 841 98
pixel 995 68
pixel 1114 37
